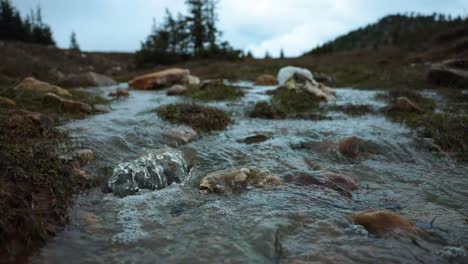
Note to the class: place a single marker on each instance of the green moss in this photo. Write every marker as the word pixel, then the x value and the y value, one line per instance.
pixel 216 92
pixel 288 103
pixel 199 117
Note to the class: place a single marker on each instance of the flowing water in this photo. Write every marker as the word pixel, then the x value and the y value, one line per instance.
pixel 285 224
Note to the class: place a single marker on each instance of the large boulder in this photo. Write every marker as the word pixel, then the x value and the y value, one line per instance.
pixel 66 105
pixel 295 78
pixel 153 171
pixel 33 85
pixel 452 73
pixel 6 102
pixel 384 223
pixel 160 79
pixel 266 80
pixel 87 79
pixel 235 180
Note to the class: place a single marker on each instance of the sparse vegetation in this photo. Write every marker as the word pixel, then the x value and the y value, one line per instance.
pixel 216 91
pixel 201 118
pixel 286 103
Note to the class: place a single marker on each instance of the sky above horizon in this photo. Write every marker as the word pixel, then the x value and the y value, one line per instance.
pixel 296 26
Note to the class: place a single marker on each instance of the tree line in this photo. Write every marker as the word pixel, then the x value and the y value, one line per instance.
pixel 31 29
pixel 185 37
pixel 408 31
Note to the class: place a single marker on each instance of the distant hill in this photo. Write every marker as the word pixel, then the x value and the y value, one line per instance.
pixel 411 32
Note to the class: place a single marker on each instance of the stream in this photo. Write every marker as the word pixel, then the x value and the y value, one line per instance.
pixel 291 223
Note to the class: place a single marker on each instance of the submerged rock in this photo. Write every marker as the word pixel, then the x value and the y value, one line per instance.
pixel 6 102
pixel 159 79
pixel 66 105
pixel 32 85
pixel 343 181
pixel 183 134
pixel 384 223
pixel 99 108
pixel 176 89
pixel 403 104
pixel 354 147
pixel 235 180
pixel 255 139
pixel 87 79
pixel 453 73
pixel 120 92
pixel 266 80
pixel 153 171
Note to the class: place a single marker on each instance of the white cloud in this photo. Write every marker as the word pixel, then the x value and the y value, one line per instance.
pixel 259 25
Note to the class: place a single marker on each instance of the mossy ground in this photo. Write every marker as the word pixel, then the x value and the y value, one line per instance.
pixel 201 118
pixel 215 92
pixel 448 129
pixel 36 186
pixel 287 103
pixel 33 101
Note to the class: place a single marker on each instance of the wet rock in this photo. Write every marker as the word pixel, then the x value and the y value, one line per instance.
pixel 384 223
pixel 176 89
pixel 6 102
pixel 182 134
pixel 120 92
pixel 98 108
pixel 306 179
pixel 153 171
pixel 32 85
pixel 87 79
pixel 236 180
pixel 403 104
pixel 452 73
pixel 66 105
pixel 302 79
pixel 159 79
pixel 354 147
pixel 266 80
pixel 191 81
pixel 255 139
pixel 343 181
pixel 92 221
pixel 350 147
pixel 85 155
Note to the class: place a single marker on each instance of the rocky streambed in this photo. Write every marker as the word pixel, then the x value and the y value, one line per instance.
pixel 291 194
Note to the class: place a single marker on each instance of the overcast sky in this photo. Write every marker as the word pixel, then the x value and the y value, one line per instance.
pixel 257 25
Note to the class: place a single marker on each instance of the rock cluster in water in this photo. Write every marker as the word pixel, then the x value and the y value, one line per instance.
pixel 235 180
pixel 154 171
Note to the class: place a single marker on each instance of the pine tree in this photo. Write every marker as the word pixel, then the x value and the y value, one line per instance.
pixel 282 54
pixel 267 55
pixel 73 42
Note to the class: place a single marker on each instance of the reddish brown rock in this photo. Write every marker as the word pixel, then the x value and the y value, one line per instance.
pixel 266 79
pixel 159 79
pixel 350 147
pixel 384 223
pixel 343 181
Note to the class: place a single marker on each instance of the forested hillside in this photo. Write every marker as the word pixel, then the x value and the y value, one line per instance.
pixel 410 31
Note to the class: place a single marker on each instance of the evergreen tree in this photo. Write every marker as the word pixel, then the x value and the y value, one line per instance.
pixel 267 55
pixel 73 42
pixel 282 54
